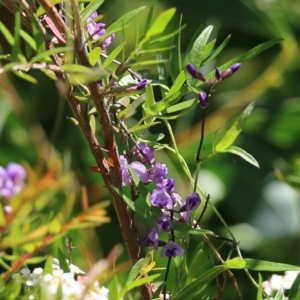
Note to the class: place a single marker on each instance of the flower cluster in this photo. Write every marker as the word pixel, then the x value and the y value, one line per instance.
pixel 96 30
pixel 50 284
pixel 163 196
pixel 219 76
pixel 12 180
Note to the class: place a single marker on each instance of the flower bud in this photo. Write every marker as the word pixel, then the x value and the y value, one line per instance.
pixel 194 73
pixel 218 74
pixel 203 99
pixel 227 73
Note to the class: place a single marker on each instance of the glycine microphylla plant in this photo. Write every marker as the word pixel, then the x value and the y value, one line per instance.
pixel 117 106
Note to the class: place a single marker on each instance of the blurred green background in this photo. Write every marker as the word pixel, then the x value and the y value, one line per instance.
pixel 263 212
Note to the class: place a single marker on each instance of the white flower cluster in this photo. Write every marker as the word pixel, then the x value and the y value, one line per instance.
pixel 60 283
pixel 278 282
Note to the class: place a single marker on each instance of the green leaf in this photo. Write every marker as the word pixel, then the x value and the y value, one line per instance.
pixel 194 288
pixel 148 62
pixel 73 68
pixel 48 265
pixel 25 76
pixel 128 201
pixel 41 56
pixel 119 24
pixel 258 265
pixel 133 107
pixel 150 17
pixel 28 39
pixel 260 288
pixel 207 49
pixel 141 187
pixel 93 123
pixel 137 283
pixel 166 102
pixel 195 263
pixel 37 34
pixel 294 293
pixel 143 126
pixel 235 263
pixel 235 129
pixel 62 261
pixel 161 22
pixel 134 272
pixel 6 33
pixel 243 154
pixel 280 294
pixel 113 55
pixel 195 56
pixel 189 104
pixel 190 45
pixel 94 56
pixel 113 289
pixel 16 46
pixel 185 228
pixel 216 52
pixel 93 6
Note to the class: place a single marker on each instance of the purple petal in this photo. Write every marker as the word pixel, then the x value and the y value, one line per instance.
pixel 171 249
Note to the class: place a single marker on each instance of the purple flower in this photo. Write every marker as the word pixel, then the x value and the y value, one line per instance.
pixel 191 203
pixel 185 216
pixel 96 30
pixel 141 171
pixel 11 180
pixel 142 84
pixel 147 156
pixel 160 171
pixel 167 185
pixel 203 99
pixel 227 73
pixel 161 199
pixel 126 177
pixel 151 239
pixel 171 249
pixel 194 73
pixel 163 224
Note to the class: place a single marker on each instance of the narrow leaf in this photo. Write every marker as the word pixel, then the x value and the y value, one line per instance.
pixel 94 56
pixel 294 293
pixel 134 272
pixel 113 55
pixel 195 56
pixel 93 6
pixel 243 154
pixel 194 288
pixel 235 129
pixel 260 289
pixel 119 24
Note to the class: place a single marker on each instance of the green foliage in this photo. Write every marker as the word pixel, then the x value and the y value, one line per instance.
pixel 86 73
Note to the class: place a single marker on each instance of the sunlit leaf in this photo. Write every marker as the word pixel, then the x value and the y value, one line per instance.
pixel 134 272
pixel 143 126
pixel 45 54
pixel 235 129
pixel 243 154
pixel 161 22
pixel 195 56
pixel 94 56
pixel 92 7
pixel 114 53
pixel 207 49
